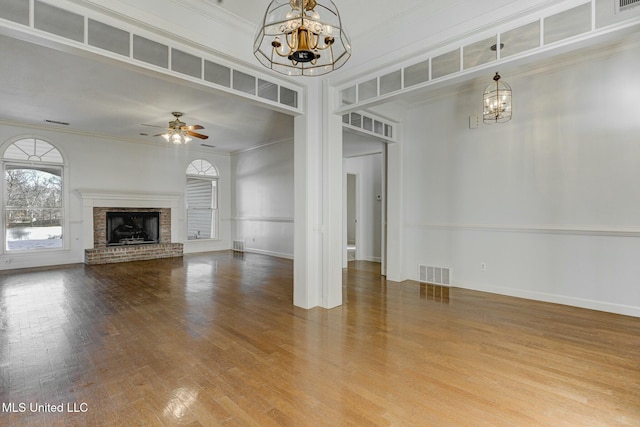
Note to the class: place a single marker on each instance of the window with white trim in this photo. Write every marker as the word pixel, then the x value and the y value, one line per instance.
pixel 33 196
pixel 201 197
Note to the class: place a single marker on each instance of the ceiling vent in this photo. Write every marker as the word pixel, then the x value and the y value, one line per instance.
pixel 624 5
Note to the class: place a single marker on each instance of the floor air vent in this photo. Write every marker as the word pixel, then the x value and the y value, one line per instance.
pixel 435 275
pixel 622 5
pixel 238 246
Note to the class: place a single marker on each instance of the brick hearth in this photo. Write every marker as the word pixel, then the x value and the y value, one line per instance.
pixel 111 254
pixel 103 254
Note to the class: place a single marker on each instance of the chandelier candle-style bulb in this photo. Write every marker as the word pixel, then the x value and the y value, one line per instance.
pixel 497 102
pixel 302 38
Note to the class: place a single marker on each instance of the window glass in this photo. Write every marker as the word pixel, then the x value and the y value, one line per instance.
pixel 33 196
pixel 32 149
pixel 201 167
pixel 202 200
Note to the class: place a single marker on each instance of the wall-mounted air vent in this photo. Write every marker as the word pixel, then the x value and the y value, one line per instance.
pixel 434 275
pixel 238 246
pixel 57 122
pixel 622 5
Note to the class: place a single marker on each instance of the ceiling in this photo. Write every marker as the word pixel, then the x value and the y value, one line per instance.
pixel 116 100
pixel 356 19
pixel 105 98
pixel 113 99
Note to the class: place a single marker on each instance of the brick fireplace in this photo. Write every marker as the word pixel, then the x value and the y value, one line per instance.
pixel 98 250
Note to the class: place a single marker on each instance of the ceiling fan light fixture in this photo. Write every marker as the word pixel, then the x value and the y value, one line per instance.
pixel 179 133
pixel 177 137
pixel 302 38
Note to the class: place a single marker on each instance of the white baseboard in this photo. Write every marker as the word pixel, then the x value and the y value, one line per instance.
pixel 626 310
pixel 270 253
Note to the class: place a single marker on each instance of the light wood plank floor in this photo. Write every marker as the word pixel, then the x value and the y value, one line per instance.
pixel 213 339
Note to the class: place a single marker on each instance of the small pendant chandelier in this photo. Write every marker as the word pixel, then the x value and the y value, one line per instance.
pixel 497 102
pixel 302 38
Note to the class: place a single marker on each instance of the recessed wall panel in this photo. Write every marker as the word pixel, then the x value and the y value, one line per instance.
pixel 150 52
pixel 520 39
pixel 367 90
pixel 244 82
pixel 445 64
pixel 267 90
pixel 416 74
pixel 108 38
pixel 216 73
pixel 348 96
pixel 288 97
pixel 58 21
pixel 391 82
pixel 186 63
pixel 16 11
pixel 567 24
pixel 356 120
pixel 479 53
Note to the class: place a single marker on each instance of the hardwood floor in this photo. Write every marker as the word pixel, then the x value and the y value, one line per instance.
pixel 213 339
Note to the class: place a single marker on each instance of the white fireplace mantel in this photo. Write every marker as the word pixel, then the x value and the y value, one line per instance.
pixel 123 199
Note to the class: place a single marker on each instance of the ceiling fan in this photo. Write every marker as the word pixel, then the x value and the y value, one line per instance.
pixel 179 133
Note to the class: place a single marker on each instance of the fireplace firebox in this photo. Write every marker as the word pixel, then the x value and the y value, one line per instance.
pixel 132 228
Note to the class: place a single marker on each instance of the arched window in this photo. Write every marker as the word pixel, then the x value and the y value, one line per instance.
pixel 202 200
pixel 33 196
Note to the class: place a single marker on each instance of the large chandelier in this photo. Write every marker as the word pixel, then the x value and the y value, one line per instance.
pixel 497 102
pixel 302 38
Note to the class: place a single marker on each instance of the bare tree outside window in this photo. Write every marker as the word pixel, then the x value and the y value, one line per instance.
pixel 33 207
pixel 32 199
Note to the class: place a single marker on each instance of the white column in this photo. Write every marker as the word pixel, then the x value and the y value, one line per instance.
pixel 332 201
pixel 317 271
pixel 307 228
pixel 395 217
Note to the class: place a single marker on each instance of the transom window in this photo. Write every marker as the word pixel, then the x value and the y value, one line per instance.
pixel 202 200
pixel 33 196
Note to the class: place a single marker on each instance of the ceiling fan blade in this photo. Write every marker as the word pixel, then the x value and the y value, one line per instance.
pixel 160 134
pixel 193 127
pixel 197 135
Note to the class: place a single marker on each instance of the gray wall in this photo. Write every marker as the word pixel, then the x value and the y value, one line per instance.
pixel 119 167
pixel 262 203
pixel 549 201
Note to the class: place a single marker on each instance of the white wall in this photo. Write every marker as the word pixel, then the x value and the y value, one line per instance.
pixel 368 171
pixel 549 201
pixel 112 165
pixel 263 199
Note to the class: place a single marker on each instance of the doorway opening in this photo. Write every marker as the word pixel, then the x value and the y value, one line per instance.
pixel 364 206
pixel 352 218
